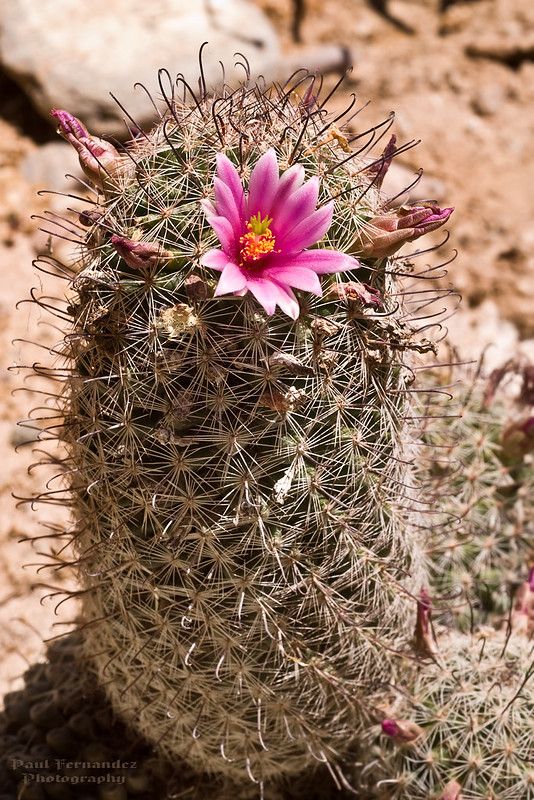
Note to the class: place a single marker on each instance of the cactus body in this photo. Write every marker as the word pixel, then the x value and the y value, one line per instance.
pixel 474 711
pixel 244 502
pixel 481 544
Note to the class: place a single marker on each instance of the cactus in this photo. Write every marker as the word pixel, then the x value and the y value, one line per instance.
pixel 479 456
pixel 470 721
pixel 247 526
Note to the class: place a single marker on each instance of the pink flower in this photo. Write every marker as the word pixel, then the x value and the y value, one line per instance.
pixel 265 234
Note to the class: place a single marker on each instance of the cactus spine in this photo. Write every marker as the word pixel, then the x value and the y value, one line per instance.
pixel 245 508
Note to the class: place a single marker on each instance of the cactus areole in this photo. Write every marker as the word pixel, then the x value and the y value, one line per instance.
pixel 240 365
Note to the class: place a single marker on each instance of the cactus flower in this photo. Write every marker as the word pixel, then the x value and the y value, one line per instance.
pixel 98 158
pixel 386 233
pixel 265 234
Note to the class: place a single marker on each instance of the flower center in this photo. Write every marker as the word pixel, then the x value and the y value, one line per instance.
pixel 259 241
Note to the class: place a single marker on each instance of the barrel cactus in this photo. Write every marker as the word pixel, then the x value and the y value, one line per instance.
pixel 247 522
pixel 478 454
pixel 469 723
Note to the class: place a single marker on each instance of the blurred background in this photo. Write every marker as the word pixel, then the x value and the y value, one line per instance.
pixel 458 73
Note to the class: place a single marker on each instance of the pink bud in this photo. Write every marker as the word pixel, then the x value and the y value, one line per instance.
pixel 139 255
pixel 386 233
pixel 401 730
pixel 99 159
pixel 452 791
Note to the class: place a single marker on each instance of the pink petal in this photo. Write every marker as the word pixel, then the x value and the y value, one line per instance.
pixel 226 207
pixel 266 292
pixel 308 231
pixel 320 261
pixel 225 233
pixel 297 207
pixel 288 302
pixel 214 259
pixel 208 208
pixel 298 277
pixel 231 280
pixel 230 176
pixel 263 184
pixel 290 180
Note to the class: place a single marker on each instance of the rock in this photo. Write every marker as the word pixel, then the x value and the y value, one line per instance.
pixel 473 332
pixel 398 177
pixel 488 100
pixel 71 55
pixel 47 165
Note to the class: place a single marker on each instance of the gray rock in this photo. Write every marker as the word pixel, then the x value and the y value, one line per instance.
pixel 489 100
pixel 72 54
pixel 46 167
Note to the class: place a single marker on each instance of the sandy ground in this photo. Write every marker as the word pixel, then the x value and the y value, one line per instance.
pixel 461 80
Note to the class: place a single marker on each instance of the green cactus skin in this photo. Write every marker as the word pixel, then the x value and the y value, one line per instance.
pixel 476 710
pixel 247 522
pixel 482 542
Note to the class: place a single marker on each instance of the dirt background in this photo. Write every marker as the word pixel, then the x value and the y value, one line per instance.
pixel 460 77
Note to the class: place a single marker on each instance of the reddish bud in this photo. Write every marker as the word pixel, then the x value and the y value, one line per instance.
pixel 523 611
pixel 402 730
pixel 99 159
pixel 381 166
pixel 452 791
pixel 139 255
pixel 423 642
pixel 385 234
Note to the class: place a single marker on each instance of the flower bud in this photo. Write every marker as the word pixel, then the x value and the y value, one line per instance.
pixel 423 643
pixel 523 611
pixel 452 791
pixel 402 730
pixel 379 169
pixel 99 159
pixel 140 256
pixel 385 234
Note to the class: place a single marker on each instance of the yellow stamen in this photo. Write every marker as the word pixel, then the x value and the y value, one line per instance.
pixel 259 241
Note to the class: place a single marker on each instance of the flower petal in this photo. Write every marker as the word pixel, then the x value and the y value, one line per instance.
pixel 225 233
pixel 297 207
pixel 290 180
pixel 320 261
pixel 263 184
pixel 232 280
pixel 266 292
pixel 288 302
pixel 214 259
pixel 308 231
pixel 230 176
pixel 226 207
pixel 297 277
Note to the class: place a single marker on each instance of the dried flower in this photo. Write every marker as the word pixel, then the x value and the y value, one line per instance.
pixel 265 234
pixel 452 791
pixel 139 255
pixel 401 730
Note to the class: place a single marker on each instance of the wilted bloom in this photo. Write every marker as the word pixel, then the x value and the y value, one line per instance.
pixel 98 159
pixel 452 791
pixel 139 255
pixel 265 234
pixel 423 643
pixel 386 233
pixel 401 729
pixel 356 292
